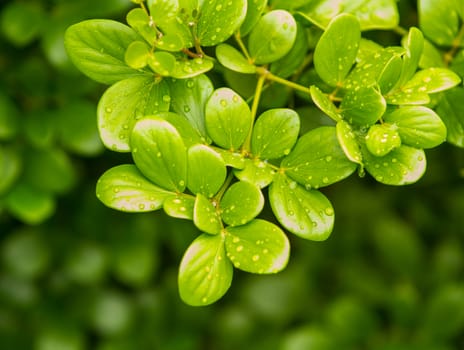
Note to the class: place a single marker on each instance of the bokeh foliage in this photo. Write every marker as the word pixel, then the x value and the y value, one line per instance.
pixel 76 275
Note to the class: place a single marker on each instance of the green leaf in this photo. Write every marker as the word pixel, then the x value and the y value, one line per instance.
pixel 139 20
pixel 337 48
pixel 159 153
pixel 380 67
pixel 189 98
pixel 306 213
pixel 77 129
pixel 347 139
pixel 219 20
pixel 97 48
pixel 206 171
pixel 189 135
pixel 125 188
pixel 233 59
pixel 402 166
pixel 29 204
pixel 21 23
pixel 414 45
pixel 275 133
pixel 256 171
pixel 180 206
pixel 162 62
pixel 241 203
pixel 189 68
pixel 323 102
pixel 49 170
pixel 137 54
pixel 323 165
pixel 10 168
pixel 439 21
pixel 205 216
pixel 233 159
pixel 418 126
pixel 381 139
pixel 254 12
pixel 126 102
pixel 258 247
pixel 272 37
pixel 363 106
pixel 228 119
pixel 9 118
pixel 431 80
pixel 372 14
pixel 451 111
pixel 294 59
pixel 205 273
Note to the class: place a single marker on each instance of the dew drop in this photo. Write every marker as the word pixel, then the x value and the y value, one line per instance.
pixel 239 248
pixel 223 103
pixel 255 257
pixel 167 98
pixel 186 109
pixel 141 206
pixel 328 158
pixel 108 110
pixel 325 180
pixel 235 240
pixel 292 185
pixel 329 211
pixel 190 84
pixel 116 190
pixel 219 7
pixel 204 300
pixel 265 251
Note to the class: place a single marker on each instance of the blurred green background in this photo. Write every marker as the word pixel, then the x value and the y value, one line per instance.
pixel 76 275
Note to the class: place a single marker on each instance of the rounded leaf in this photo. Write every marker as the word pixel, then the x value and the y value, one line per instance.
pixel 317 159
pixel 275 133
pixel 381 139
pixel 256 171
pixel 219 20
pixel 253 14
pixel 124 103
pixel 180 206
pixel 10 168
pixel 402 166
pixel 272 37
pixel 228 119
pixel 189 98
pixel 206 170
pixel 323 102
pixel 418 126
pixel 363 106
pixel 205 273
pixel 188 68
pixel 233 59
pixel 205 216
pixel 336 50
pixel 241 203
pixel 125 188
pixel 159 153
pixel 162 62
pixel 306 213
pixel 97 48
pixel 189 135
pixel 257 247
pixel 137 54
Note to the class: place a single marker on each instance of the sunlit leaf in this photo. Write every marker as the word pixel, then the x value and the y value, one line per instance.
pixel 188 98
pixel 349 144
pixel 180 206
pixel 404 165
pixel 256 171
pixel 233 59
pixel 10 168
pixel 306 213
pixel 317 159
pixel 272 37
pixel 125 188
pixel 228 118
pixel 323 102
pixel 205 273
pixel 219 20
pixel 205 215
pixel 97 48
pixel 257 247
pixel 363 106
pixel 206 170
pixel 241 203
pixel 124 103
pixel 275 133
pixel 418 126
pixel 337 48
pixel 381 139
pixel 439 20
pixel 254 11
pixel 159 153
